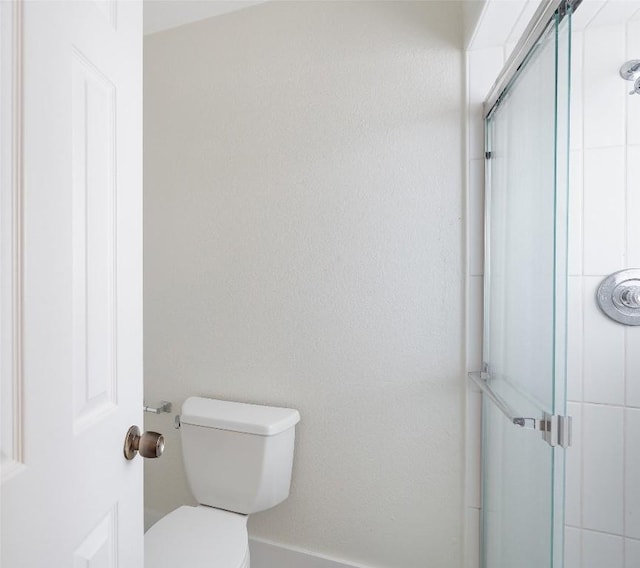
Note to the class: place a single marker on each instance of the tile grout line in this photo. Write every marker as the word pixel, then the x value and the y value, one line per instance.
pixel 596 531
pixel 626 335
pixel 583 37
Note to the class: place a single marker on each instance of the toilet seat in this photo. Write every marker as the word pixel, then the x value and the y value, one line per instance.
pixel 198 537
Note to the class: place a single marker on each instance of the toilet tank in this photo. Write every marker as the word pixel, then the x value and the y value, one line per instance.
pixel 237 456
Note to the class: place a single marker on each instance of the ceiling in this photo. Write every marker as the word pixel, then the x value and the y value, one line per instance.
pixel 164 14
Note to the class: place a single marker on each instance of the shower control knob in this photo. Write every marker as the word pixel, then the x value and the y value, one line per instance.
pixel 148 444
pixel 636 87
pixel 631 297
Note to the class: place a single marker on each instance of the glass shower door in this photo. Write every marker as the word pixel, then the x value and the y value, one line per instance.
pixel 524 372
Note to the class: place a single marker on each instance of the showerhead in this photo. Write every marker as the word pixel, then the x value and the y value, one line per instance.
pixel 630 71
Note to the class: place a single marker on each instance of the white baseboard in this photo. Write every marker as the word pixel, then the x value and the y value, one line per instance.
pixel 265 554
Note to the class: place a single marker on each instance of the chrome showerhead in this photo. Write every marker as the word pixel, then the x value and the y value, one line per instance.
pixel 630 71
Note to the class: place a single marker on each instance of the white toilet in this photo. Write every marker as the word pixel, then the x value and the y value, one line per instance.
pixel 238 458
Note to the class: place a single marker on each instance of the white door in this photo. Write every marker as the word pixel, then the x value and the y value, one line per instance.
pixel 72 283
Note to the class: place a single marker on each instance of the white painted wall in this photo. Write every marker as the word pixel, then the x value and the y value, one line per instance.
pixel 303 247
pixel 471 15
pixel 162 15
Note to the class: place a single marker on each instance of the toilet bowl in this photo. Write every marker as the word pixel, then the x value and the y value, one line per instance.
pixel 198 537
pixel 238 458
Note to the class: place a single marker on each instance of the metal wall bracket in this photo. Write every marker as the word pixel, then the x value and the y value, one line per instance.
pixel 556 430
pixel 163 406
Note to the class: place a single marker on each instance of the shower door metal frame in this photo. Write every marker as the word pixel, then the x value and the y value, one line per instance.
pixel 522 51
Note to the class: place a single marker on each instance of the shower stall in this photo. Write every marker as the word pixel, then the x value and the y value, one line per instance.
pixel 560 371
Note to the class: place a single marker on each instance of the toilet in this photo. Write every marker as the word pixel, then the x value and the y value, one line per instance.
pixel 238 459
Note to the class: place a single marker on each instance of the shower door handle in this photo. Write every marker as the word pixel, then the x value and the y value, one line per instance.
pixel 479 380
pixel 556 430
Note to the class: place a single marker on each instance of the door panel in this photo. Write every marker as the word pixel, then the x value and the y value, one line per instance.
pixel 77 501
pixel 94 238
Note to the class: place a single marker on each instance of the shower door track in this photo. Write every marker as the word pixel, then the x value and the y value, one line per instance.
pixel 523 49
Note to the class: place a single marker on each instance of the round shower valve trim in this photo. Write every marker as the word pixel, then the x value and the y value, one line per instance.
pixel 619 296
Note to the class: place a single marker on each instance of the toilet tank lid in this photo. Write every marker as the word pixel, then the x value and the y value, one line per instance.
pixel 238 416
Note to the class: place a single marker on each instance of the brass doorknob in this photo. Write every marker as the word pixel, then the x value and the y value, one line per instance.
pixel 149 444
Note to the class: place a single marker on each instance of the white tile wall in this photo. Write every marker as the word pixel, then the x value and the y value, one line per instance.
pixel 617 11
pixel 575 327
pixel 633 111
pixel 483 67
pixel 633 196
pixel 604 94
pixel 632 553
pixel 577 94
pixel 474 323
pixel 633 366
pixel 473 535
pixel 528 10
pixel 474 435
pixel 576 202
pixel 601 550
pixel 498 22
pixel 476 217
pixel 573 497
pixel 603 466
pixel 603 350
pixel 604 213
pixel 573 548
pixel 632 473
pixel 588 10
